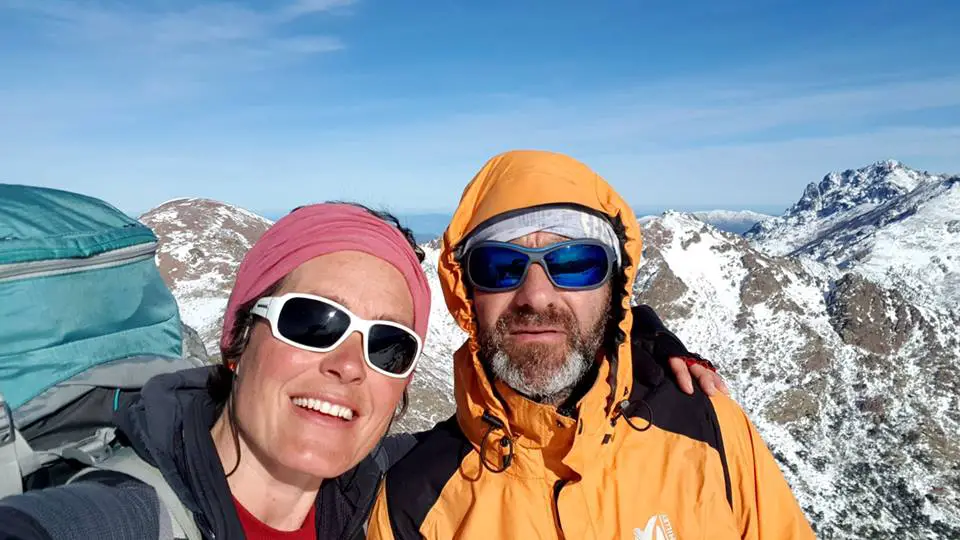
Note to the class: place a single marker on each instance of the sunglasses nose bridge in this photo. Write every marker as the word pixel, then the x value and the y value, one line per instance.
pixel 537 289
pixel 346 361
pixel 537 260
pixel 540 259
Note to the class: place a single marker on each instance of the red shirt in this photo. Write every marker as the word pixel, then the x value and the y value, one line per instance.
pixel 256 529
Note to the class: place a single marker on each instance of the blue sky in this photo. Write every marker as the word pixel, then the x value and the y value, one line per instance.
pixel 268 105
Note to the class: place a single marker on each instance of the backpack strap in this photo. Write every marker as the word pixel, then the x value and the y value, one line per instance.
pixel 653 345
pixel 13 451
pixel 126 461
pixel 723 454
pixel 17 459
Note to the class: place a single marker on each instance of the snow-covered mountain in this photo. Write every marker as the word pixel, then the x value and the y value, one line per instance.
pixel 835 325
pixel 202 243
pixel 842 200
pixel 891 224
pixel 431 393
pixel 734 221
pixel 854 389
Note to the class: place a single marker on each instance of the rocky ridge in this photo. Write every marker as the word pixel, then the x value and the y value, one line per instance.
pixel 202 243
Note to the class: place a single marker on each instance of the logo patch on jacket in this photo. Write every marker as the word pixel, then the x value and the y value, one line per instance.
pixel 658 528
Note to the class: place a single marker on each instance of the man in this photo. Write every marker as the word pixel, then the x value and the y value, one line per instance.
pixel 563 429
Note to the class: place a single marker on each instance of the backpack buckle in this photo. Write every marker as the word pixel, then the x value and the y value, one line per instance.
pixel 11 472
pixel 93 450
pixel 8 434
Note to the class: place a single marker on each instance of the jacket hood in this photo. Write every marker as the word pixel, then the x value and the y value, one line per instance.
pixel 509 182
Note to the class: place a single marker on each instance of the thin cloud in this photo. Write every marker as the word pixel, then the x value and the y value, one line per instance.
pixel 98 61
pixel 310 45
pixel 667 117
pixel 306 7
pixel 428 174
pixel 204 34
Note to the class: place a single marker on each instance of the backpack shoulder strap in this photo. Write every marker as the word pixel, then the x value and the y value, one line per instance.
pixel 17 458
pixel 723 455
pixel 126 461
pixel 653 345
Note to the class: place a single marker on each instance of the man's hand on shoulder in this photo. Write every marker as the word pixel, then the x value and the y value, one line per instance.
pixel 687 368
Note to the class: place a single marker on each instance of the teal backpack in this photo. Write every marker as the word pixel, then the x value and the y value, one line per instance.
pixel 85 320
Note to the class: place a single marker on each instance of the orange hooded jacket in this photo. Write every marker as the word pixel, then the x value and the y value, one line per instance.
pixel 638 461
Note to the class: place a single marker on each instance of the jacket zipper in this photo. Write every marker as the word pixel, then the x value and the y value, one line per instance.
pixel 56 267
pixel 362 523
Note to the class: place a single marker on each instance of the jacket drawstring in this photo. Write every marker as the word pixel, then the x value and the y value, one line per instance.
pixel 627 406
pixel 505 442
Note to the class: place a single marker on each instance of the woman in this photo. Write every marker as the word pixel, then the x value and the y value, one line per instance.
pixel 321 336
pixel 322 332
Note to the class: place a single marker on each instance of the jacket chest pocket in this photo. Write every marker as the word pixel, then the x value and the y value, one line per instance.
pixel 641 508
pixel 608 511
pixel 680 519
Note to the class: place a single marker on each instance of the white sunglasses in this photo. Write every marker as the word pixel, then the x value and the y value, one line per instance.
pixel 318 324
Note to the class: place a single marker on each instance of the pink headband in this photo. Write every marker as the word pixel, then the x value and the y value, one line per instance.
pixel 316 230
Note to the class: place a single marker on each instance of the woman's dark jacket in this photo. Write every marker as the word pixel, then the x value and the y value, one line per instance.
pixel 168 424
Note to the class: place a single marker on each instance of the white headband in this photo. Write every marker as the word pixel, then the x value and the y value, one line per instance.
pixel 568 222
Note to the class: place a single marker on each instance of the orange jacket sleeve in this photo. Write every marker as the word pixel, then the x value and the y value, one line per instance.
pixel 763 502
pixel 378 527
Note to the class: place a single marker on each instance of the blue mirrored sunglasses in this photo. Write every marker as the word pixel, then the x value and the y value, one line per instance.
pixel 573 265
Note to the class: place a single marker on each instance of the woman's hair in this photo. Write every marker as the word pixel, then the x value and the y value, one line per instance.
pixel 222 381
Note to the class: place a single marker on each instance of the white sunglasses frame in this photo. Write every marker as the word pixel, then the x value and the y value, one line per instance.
pixel 269 307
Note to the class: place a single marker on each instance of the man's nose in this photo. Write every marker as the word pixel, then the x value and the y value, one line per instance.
pixel 536 291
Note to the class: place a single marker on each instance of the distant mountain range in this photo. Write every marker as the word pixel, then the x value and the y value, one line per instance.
pixel 835 324
pixel 732 221
pixel 430 225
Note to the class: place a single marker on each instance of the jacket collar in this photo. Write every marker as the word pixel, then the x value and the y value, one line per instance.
pixel 168 425
pixel 488 413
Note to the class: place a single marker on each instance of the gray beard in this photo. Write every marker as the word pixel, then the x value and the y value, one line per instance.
pixel 534 370
pixel 552 389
